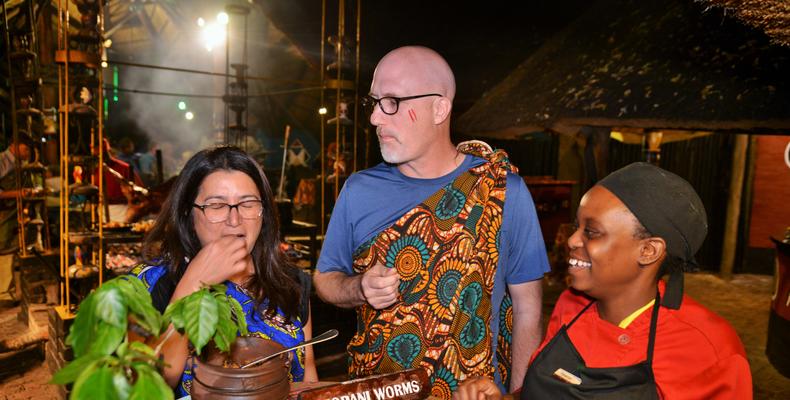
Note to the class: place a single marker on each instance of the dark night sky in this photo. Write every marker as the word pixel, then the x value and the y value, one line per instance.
pixel 482 41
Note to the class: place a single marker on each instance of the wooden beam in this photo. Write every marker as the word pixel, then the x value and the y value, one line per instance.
pixel 730 243
pixel 174 14
pixel 149 25
pixel 118 25
pixel 571 125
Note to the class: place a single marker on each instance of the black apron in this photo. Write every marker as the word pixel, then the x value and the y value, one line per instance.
pixel 631 382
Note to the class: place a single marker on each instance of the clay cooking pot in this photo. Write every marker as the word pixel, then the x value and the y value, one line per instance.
pixel 269 380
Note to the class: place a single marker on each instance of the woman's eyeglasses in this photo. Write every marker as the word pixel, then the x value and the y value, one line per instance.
pixel 219 212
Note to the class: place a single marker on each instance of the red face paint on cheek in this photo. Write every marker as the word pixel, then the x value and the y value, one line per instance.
pixel 412 115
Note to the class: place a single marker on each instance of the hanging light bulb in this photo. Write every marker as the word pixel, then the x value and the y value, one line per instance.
pixel 213 35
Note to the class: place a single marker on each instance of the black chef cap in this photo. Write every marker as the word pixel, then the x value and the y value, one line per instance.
pixel 669 208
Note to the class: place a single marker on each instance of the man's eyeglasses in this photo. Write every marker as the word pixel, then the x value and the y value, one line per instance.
pixel 388 104
pixel 219 212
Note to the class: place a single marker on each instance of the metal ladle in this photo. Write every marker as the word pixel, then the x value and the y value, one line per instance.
pixel 330 334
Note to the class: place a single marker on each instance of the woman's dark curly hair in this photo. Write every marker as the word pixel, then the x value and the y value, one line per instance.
pixel 173 239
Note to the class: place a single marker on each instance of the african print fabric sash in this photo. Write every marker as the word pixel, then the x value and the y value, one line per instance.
pixel 446 251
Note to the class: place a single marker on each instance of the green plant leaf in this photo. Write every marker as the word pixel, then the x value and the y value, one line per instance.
pixel 123 349
pixel 221 341
pixel 83 329
pixel 226 328
pixel 219 288
pixel 238 314
pixel 137 285
pixel 121 383
pixel 140 304
pixel 149 384
pixel 200 317
pixel 141 348
pixel 98 384
pixel 147 356
pixel 174 313
pixel 107 338
pixel 148 319
pixel 85 375
pixel 71 371
pixel 110 306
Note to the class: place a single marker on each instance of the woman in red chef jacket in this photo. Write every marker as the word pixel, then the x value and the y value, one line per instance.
pixel 621 332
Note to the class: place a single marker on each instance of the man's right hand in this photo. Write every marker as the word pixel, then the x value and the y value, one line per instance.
pixel 379 285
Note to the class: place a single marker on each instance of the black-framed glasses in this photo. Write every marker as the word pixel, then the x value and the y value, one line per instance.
pixel 219 212
pixel 389 104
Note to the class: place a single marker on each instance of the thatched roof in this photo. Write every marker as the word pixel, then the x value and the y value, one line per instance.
pixel 661 64
pixel 772 16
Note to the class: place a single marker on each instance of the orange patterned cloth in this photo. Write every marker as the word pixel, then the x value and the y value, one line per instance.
pixel 446 251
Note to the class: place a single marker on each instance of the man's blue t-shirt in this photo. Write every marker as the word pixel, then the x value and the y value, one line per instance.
pixel 374 199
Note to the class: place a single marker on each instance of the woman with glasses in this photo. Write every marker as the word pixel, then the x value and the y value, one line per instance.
pixel 219 226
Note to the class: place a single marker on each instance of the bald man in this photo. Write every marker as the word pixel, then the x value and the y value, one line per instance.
pixel 444 272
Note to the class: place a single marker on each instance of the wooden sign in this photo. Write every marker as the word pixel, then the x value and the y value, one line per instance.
pixel 410 384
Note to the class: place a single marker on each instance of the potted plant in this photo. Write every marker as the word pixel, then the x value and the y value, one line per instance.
pixel 209 317
pixel 107 364
pixel 112 363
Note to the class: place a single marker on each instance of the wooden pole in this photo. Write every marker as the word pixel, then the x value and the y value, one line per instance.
pixel 356 86
pixel 322 121
pixel 729 245
pixel 341 34
pixel 282 170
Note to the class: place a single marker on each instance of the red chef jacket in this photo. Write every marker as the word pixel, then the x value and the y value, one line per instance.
pixel 697 355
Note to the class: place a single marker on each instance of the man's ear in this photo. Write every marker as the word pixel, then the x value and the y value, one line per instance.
pixel 651 251
pixel 442 107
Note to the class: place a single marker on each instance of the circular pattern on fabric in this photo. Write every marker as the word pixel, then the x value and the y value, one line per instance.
pixel 492 242
pixel 376 344
pixel 446 287
pixel 470 297
pixel 411 291
pixel 503 373
pixel 408 262
pixel 441 390
pixel 443 384
pixel 474 215
pixel 442 285
pixel 451 203
pixel 473 332
pixel 409 254
pixel 403 349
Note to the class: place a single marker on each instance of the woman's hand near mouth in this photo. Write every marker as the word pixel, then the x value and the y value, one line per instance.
pixel 226 258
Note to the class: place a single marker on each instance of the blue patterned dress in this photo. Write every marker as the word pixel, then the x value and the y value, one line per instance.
pixel 278 328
